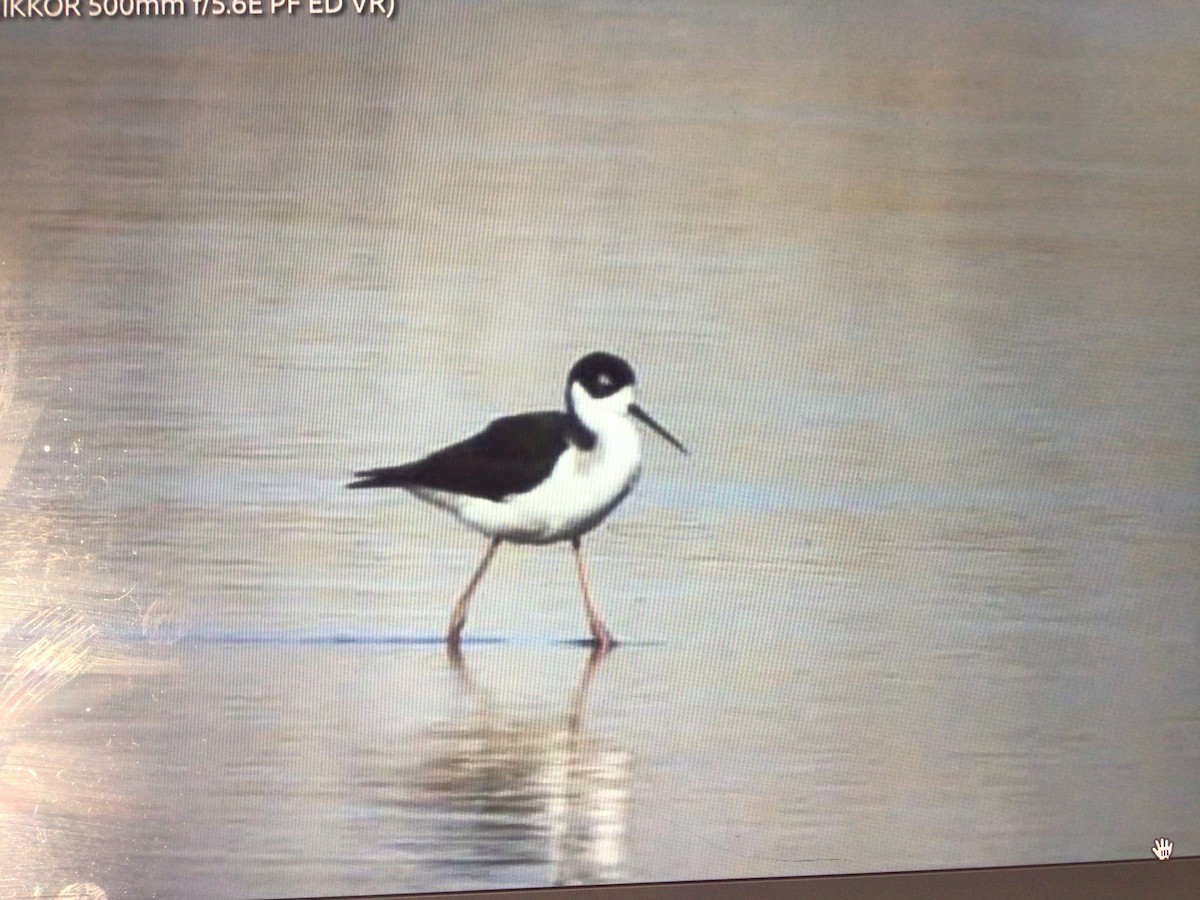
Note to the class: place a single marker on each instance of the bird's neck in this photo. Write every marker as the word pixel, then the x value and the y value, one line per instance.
pixel 595 423
pixel 611 435
pixel 580 435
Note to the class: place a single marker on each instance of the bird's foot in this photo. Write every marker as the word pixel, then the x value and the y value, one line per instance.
pixel 602 639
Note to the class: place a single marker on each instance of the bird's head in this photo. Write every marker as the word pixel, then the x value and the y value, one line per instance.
pixel 600 385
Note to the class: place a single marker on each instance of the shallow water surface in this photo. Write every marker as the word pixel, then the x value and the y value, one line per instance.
pixel 916 286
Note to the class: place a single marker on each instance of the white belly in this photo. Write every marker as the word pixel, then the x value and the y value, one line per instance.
pixel 583 488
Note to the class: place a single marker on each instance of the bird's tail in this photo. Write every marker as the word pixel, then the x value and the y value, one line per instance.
pixel 393 476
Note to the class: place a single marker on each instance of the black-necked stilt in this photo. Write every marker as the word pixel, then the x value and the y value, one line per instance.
pixel 540 477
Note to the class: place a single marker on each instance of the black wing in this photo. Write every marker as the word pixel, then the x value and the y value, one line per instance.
pixel 510 456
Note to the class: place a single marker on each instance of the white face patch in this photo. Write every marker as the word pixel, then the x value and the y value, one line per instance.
pixel 620 401
pixel 594 411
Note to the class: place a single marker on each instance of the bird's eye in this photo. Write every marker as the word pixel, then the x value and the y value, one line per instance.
pixel 604 381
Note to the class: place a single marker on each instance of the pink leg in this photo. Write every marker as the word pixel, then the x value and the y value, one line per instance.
pixel 459 619
pixel 602 636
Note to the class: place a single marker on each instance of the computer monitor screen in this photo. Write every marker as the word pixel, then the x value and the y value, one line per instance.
pixel 465 446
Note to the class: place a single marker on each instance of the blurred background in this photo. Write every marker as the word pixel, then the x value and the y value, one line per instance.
pixel 917 283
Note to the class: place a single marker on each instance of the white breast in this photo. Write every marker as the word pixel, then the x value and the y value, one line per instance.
pixel 583 488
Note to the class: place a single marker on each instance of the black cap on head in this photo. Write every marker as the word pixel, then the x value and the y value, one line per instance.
pixel 601 374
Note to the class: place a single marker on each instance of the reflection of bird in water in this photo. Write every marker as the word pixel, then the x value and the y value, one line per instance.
pixel 541 477
pixel 517 803
pixel 582 782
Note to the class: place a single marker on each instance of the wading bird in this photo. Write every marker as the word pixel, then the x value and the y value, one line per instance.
pixel 539 477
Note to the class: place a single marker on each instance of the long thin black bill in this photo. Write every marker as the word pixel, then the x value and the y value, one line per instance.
pixel 644 417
